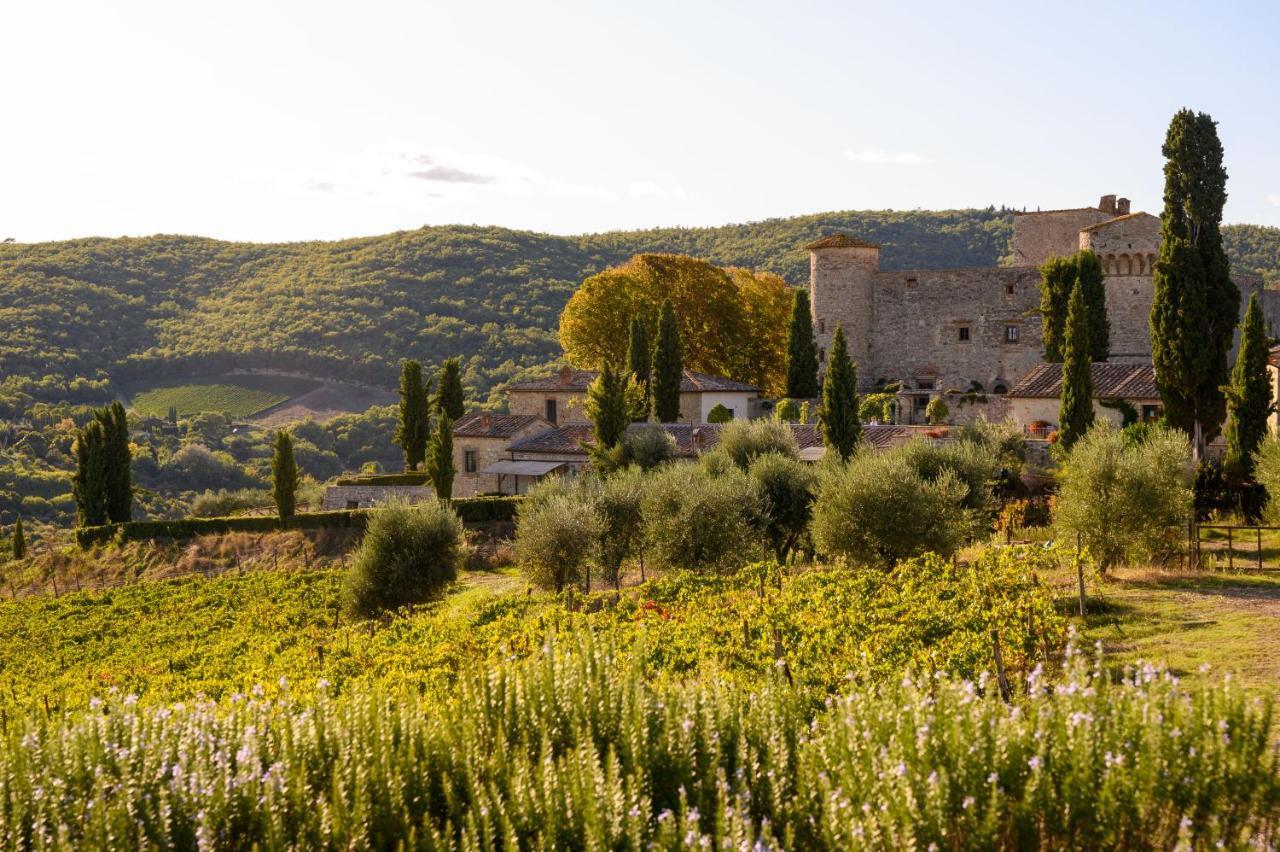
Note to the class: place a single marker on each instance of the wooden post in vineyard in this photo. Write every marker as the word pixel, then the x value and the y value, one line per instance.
pixel 1001 679
pixel 1080 575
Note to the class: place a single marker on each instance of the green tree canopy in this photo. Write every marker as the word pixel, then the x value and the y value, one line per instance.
pixel 1195 306
pixel 1075 412
pixel 284 476
pixel 450 397
pixel 668 367
pixel 838 416
pixel 1249 395
pixel 414 428
pixel 802 351
pixel 440 469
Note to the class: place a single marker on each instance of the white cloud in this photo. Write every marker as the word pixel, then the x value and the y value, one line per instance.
pixel 407 172
pixel 649 189
pixel 879 156
pixel 1274 198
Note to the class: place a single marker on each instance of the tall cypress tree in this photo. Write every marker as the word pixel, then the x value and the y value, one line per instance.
pixel 19 540
pixel 639 355
pixel 284 477
pixel 1057 277
pixel 89 483
pixel 414 428
pixel 1194 309
pixel 838 416
pixel 449 394
pixel 440 468
pixel 668 371
pixel 606 407
pixel 1089 276
pixel 802 351
pixel 1249 396
pixel 1075 410
pixel 118 458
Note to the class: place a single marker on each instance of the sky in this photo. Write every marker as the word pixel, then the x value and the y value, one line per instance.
pixel 274 121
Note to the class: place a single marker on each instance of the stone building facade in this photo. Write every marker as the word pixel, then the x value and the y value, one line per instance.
pixel 558 398
pixel 936 330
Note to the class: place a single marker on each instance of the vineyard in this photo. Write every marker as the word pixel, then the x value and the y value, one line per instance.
pixel 236 395
pixel 177 639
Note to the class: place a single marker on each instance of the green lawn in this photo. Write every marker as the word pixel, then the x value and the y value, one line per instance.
pixel 236 395
pixel 1227 621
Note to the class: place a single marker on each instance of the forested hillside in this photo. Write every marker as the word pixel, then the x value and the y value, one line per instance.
pixel 106 311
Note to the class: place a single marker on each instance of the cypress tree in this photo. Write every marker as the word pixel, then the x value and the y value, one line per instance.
pixel 284 477
pixel 838 415
pixel 802 352
pixel 1089 275
pixel 19 540
pixel 1057 277
pixel 414 428
pixel 638 355
pixel 1249 396
pixel 606 408
pixel 118 459
pixel 1195 305
pixel 440 469
pixel 1075 410
pixel 173 415
pixel 89 483
pixel 667 369
pixel 450 398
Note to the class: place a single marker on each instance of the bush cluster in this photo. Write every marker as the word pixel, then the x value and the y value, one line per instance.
pixel 409 555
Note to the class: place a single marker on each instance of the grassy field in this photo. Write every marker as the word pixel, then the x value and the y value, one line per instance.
pixel 236 395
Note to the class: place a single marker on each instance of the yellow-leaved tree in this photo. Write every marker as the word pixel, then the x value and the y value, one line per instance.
pixel 733 322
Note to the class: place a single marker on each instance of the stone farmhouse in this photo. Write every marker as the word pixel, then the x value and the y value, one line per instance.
pixel 935 330
pixel 1033 402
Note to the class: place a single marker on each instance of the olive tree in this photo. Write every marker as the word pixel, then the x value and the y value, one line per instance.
pixel 786 487
pixel 694 519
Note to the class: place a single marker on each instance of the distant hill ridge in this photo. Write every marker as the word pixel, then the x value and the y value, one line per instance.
pixel 131 308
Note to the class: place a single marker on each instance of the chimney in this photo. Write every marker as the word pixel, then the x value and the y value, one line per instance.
pixel 566 374
pixel 1122 207
pixel 695 440
pixel 1108 204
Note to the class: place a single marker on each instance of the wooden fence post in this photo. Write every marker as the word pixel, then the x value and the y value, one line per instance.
pixel 1231 553
pixel 1080 575
pixel 1001 679
pixel 1258 530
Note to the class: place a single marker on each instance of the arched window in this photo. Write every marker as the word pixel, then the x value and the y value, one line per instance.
pixel 1000 388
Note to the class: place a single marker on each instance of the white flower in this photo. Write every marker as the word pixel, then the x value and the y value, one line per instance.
pixel 1034 762
pixel 993 778
pixel 322 684
pixel 968 802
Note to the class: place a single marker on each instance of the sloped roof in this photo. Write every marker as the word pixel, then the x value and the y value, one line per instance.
pixel 1110 381
pixel 840 241
pixel 1059 210
pixel 557 439
pixel 694 438
pixel 576 381
pixel 484 424
pixel 1100 225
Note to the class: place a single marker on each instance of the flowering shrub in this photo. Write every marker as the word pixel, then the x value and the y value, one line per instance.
pixel 579 748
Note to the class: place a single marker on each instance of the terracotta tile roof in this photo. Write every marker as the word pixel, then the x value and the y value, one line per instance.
pixel 1059 210
pixel 557 439
pixel 840 241
pixel 1110 381
pixel 1104 224
pixel 484 424
pixel 569 380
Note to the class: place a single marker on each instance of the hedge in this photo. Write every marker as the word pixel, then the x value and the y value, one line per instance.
pixel 385 479
pixel 472 510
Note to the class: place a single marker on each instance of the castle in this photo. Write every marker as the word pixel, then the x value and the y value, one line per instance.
pixel 979 328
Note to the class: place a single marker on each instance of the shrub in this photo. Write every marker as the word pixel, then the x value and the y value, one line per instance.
pixel 786 488
pixel 699 521
pixel 556 534
pixel 621 524
pixel 878 509
pixel 742 441
pixel 213 504
pixel 1127 501
pixel 409 554
pixel 975 466
pixel 787 411
pixel 937 411
pixel 719 414
pixel 1266 470
pixel 648 445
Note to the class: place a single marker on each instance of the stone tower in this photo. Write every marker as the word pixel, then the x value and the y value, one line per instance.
pixel 842 272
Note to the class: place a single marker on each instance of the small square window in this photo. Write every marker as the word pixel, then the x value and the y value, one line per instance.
pixel 1010 334
pixel 469 461
pixel 964 334
pixel 1009 289
pixel 925 384
pixel 822 326
pixel 551 410
pixel 822 355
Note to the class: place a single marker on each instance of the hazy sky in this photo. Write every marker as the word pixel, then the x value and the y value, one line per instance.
pixel 281 121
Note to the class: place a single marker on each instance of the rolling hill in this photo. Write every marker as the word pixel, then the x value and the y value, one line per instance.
pixel 81 317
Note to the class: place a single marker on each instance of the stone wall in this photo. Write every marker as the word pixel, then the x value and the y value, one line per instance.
pixel 1126 246
pixel 568 405
pixel 923 317
pixel 367 496
pixel 1042 235
pixel 840 294
pixel 488 451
